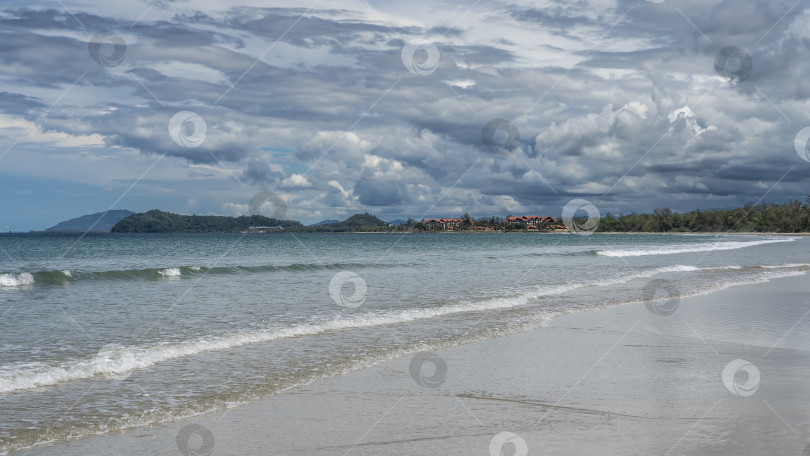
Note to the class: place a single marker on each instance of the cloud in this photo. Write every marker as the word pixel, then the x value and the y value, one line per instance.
pixel 262 172
pixel 381 193
pixel 296 181
pixel 618 102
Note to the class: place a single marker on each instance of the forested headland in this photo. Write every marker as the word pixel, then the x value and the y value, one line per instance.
pixel 790 217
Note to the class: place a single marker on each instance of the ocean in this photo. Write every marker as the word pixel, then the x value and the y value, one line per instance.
pixel 102 333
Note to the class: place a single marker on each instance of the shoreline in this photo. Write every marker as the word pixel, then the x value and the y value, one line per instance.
pixel 515 383
pixel 691 233
pixel 687 233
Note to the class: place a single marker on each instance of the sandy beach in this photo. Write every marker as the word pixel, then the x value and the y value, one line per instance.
pixel 725 373
pixel 401 228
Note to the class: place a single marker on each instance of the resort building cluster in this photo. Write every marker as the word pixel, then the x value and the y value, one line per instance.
pixel 443 224
pixel 531 223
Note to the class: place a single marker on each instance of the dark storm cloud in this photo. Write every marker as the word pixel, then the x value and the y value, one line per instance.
pixel 558 17
pixel 381 193
pixel 35 19
pixel 640 120
pixel 19 104
pixel 43 61
pixel 297 27
pixel 317 95
pixel 259 171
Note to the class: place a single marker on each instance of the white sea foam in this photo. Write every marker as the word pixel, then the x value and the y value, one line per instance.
pixel 29 376
pixel 16 280
pixel 170 272
pixel 782 266
pixel 648 274
pixel 67 273
pixel 689 248
pixel 33 375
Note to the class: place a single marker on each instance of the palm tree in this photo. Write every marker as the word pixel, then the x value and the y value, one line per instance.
pixel 466 220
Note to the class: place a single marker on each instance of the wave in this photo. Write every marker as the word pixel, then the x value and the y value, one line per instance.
pixel 783 266
pixel 689 248
pixel 26 376
pixel 564 254
pixel 170 272
pixel 16 280
pixel 64 276
pixel 125 359
pixel 338 366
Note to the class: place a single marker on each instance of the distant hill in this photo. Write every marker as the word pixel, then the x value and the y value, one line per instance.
pixel 100 221
pixel 156 221
pixel 357 221
pixel 325 222
pixel 399 222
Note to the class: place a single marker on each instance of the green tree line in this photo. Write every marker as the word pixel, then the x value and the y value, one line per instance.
pixel 790 217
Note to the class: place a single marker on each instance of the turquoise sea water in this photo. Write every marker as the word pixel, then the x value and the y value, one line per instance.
pixel 107 332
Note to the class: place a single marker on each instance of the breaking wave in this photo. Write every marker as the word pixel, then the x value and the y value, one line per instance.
pixel 689 248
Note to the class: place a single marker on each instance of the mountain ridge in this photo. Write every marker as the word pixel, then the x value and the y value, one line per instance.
pixel 99 222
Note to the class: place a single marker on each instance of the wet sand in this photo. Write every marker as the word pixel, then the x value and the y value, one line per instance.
pixel 622 380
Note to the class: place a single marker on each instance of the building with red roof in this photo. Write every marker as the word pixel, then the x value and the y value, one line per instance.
pixel 531 220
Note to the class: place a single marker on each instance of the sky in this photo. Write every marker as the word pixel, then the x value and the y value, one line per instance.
pixel 402 109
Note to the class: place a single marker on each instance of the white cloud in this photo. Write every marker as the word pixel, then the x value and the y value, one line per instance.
pixel 296 181
pixel 235 209
pixel 23 131
pixel 460 83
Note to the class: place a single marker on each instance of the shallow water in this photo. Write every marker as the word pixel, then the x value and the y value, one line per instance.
pixel 106 332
